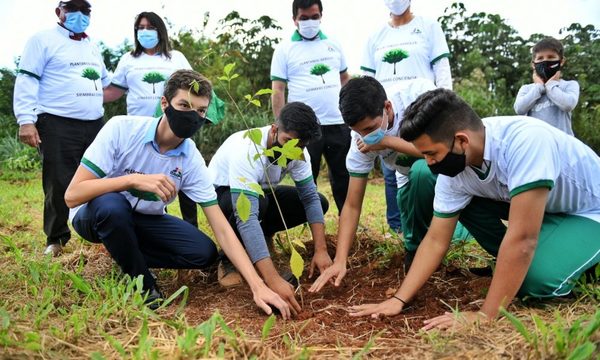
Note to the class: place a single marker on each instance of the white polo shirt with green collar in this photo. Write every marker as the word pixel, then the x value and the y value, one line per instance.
pixel 311 69
pixel 522 153
pixel 126 145
pixel 238 163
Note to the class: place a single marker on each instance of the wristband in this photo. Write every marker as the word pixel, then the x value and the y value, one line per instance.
pixel 399 299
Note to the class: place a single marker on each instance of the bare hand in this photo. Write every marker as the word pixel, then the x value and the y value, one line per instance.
pixel 453 320
pixel 336 271
pixel 159 184
pixel 286 291
pixel 555 77
pixel 320 260
pixel 364 148
pixel 263 297
pixel 389 307
pixel 28 134
pixel 537 79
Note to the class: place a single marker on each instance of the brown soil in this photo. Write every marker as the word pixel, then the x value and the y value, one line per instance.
pixel 324 319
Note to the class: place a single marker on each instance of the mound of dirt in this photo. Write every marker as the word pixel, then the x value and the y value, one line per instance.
pixel 324 319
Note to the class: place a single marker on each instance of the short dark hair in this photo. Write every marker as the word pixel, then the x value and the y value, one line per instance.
pixel 299 118
pixel 305 4
pixel 76 5
pixel 361 97
pixel 163 37
pixel 185 80
pixel 439 114
pixel 548 43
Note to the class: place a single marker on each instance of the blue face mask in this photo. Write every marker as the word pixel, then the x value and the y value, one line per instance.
pixel 77 22
pixel 375 136
pixel 148 38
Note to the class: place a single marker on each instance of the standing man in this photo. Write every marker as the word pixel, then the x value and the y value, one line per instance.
pixel 314 68
pixel 406 47
pixel 58 106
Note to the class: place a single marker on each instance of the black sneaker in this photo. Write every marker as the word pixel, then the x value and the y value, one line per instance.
pixel 154 299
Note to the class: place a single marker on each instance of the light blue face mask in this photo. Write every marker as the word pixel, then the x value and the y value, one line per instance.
pixel 76 21
pixel 148 38
pixel 375 136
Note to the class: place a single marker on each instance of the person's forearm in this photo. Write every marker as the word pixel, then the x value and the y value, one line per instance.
pixel 514 259
pixel 112 93
pixel 442 74
pixel 400 145
pixel 87 190
pixel 427 259
pixel 277 100
pixel 527 97
pixel 318 234
pixel 346 230
pixel 267 270
pixel 250 231
pixel 566 99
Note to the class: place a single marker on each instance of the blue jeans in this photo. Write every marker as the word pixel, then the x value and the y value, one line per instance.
pixel 138 241
pixel 391 191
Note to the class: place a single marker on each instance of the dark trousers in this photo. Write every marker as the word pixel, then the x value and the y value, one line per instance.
pixel 268 214
pixel 64 141
pixel 334 145
pixel 138 241
pixel 189 209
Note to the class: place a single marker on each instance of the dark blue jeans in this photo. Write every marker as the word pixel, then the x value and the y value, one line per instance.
pixel 137 241
pixel 391 191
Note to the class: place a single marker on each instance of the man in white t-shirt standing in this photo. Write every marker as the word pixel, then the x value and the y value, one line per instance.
pixel 314 69
pixel 58 106
pixel 133 170
pixel 515 168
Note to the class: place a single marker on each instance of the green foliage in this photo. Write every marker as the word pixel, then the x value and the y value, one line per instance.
pixel 267 327
pixel 16 156
pixel 320 70
pixel 559 339
pixel 111 59
pixel 7 84
pixel 395 56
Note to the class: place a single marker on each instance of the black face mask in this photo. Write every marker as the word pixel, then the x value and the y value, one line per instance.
pixel 547 69
pixel 184 124
pixel 451 165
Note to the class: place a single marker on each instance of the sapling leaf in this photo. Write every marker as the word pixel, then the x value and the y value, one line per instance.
pixel 256 188
pixel 266 330
pixel 228 68
pixel 299 243
pixel 263 92
pixel 296 263
pixel 255 135
pixel 243 207
pixel 255 102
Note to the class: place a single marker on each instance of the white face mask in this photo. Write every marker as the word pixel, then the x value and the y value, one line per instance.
pixel 309 28
pixel 397 7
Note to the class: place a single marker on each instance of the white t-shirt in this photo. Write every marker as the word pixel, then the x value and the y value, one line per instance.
pixel 523 153
pixel 233 165
pixel 402 95
pixel 126 145
pixel 144 78
pixel 312 70
pixel 60 76
pixel 405 52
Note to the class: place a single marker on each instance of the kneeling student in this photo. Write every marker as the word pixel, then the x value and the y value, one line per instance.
pixel 515 168
pixel 133 169
pixel 239 162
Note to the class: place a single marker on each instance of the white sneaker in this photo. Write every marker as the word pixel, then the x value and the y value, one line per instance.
pixel 53 249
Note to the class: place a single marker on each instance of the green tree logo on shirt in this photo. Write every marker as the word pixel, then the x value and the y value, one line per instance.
pixel 91 74
pixel 320 70
pixel 395 56
pixel 154 77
